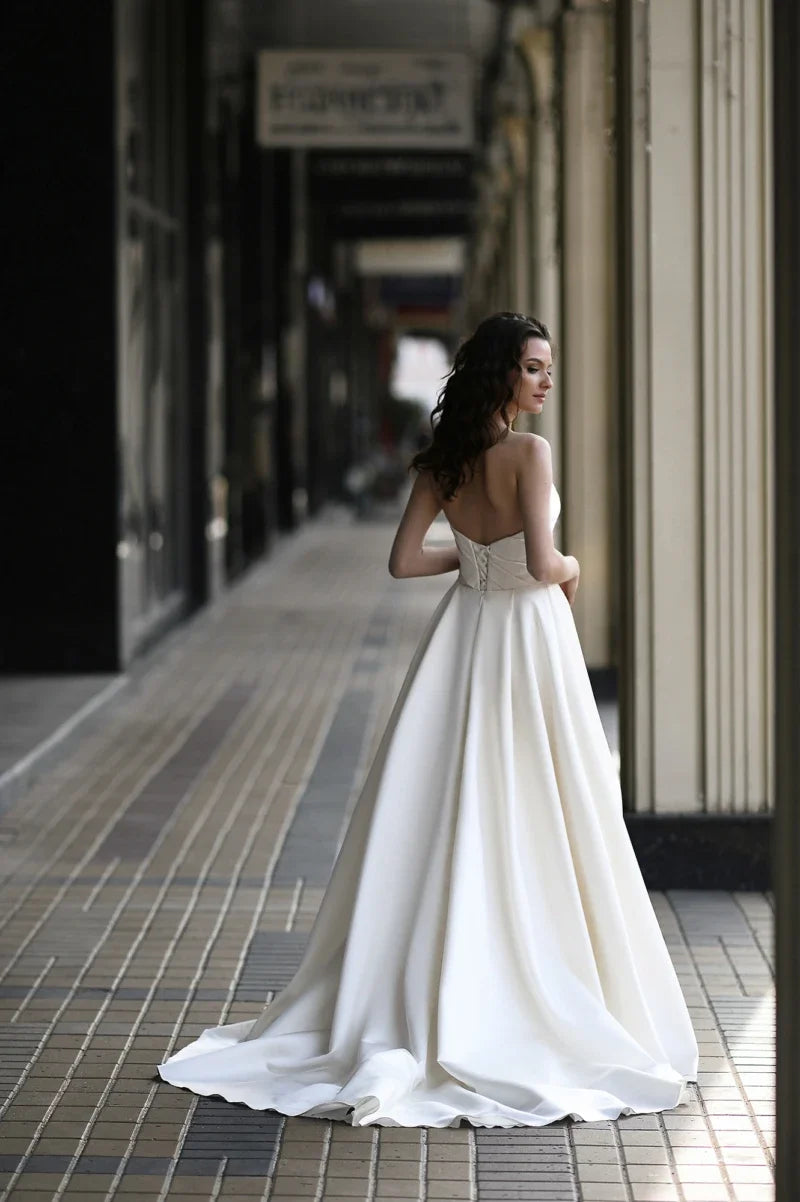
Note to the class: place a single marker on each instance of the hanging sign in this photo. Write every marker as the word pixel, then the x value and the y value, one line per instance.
pixel 331 98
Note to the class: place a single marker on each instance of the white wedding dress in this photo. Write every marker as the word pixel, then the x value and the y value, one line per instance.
pixel 486 948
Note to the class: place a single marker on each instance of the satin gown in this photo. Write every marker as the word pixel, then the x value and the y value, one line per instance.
pixel 486 948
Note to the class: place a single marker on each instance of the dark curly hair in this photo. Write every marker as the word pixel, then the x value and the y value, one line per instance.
pixel 476 387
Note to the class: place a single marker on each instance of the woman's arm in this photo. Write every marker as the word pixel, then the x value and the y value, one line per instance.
pixel 408 557
pixel 534 484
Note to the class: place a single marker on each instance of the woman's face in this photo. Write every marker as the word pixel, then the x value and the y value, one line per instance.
pixel 533 382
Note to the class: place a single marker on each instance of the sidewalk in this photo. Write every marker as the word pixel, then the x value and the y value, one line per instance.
pixel 40 715
pixel 162 875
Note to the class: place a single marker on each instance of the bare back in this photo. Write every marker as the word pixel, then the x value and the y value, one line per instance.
pixel 487 507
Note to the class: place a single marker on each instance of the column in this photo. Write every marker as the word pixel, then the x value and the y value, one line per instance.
pixel 515 130
pixel 786 839
pixel 695 355
pixel 586 365
pixel 536 47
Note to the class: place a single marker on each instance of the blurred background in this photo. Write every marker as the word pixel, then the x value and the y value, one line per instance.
pixel 245 239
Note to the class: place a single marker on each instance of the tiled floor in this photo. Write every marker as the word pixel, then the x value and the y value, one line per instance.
pixel 39 715
pixel 162 877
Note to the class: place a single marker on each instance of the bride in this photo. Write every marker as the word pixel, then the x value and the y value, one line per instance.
pixel 486 949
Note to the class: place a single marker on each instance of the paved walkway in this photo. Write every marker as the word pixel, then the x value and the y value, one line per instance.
pixel 41 714
pixel 163 874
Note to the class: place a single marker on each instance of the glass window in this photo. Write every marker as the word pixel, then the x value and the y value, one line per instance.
pixel 151 312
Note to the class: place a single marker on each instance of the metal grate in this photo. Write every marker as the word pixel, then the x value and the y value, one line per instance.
pixel 272 960
pixel 525 1164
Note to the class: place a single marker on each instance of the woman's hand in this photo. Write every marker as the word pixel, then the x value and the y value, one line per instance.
pixel 570 587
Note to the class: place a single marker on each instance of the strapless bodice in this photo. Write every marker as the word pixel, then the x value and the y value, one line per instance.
pixel 502 564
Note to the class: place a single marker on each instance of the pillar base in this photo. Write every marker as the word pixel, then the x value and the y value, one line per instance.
pixel 702 851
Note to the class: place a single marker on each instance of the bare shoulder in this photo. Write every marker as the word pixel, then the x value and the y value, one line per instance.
pixel 532 448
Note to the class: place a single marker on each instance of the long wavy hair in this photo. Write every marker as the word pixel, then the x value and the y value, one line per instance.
pixel 475 388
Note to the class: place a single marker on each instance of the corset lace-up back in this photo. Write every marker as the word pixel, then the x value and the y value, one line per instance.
pixel 502 564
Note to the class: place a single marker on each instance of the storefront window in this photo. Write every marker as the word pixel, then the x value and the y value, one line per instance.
pixel 151 310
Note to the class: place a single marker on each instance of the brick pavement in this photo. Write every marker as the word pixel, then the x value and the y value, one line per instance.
pixel 162 877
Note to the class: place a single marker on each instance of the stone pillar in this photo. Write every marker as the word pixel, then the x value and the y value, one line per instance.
pixel 586 370
pixel 786 840
pixel 515 131
pixel 487 282
pixel 536 47
pixel 695 353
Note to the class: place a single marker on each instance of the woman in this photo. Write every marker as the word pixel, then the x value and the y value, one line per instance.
pixel 486 948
